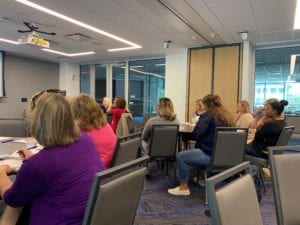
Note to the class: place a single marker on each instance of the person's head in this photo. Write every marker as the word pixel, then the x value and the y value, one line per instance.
pixel 120 102
pixel 106 102
pixel 165 109
pixel 52 122
pixel 243 106
pixel 274 108
pixel 32 103
pixel 87 113
pixel 212 104
pixel 198 105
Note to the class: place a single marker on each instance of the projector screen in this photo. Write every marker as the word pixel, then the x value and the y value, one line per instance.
pixel 2 91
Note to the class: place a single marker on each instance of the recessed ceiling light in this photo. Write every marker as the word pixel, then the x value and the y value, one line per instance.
pixel 68 54
pixel 81 24
pixel 9 41
pixel 297 16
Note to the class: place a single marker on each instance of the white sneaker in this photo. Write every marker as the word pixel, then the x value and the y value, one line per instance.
pixel 176 191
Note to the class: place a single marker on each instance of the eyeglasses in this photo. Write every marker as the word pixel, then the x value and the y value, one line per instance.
pixel 37 95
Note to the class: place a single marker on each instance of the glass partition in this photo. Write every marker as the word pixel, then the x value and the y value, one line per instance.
pixel 100 82
pixel 277 75
pixel 146 86
pixel 118 80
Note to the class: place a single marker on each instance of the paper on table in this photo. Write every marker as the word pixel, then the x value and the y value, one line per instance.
pixel 5 138
pixel 14 163
pixel 29 140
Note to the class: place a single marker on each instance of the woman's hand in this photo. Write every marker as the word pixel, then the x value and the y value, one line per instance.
pixel 24 153
pixel 6 169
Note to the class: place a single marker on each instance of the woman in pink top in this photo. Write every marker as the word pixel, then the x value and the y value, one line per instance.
pixel 90 118
pixel 118 108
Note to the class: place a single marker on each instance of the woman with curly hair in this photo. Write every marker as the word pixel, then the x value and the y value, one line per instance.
pixel 165 115
pixel 215 116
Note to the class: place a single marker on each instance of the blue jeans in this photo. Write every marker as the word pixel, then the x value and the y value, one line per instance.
pixel 192 157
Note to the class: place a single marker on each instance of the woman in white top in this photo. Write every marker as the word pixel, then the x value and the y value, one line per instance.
pixel 243 117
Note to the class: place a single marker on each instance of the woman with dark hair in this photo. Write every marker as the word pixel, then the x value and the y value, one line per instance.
pixel 165 115
pixel 215 116
pixel 117 109
pixel 268 133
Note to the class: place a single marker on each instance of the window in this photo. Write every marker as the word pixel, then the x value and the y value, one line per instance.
pixel 100 82
pixel 118 80
pixel 85 79
pixel 146 86
pixel 277 75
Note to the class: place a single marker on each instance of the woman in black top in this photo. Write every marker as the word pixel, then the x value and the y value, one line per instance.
pixel 268 133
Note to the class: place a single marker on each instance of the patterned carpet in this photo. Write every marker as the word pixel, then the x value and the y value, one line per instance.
pixel 157 207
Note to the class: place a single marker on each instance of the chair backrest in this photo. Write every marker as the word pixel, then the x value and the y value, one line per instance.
pixel 285 136
pixel 234 203
pixel 125 125
pixel 229 147
pixel 12 128
pixel 115 202
pixel 285 169
pixel 164 139
pixel 126 149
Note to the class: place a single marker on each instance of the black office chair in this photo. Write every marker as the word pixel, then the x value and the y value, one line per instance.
pixel 114 201
pixel 228 151
pixel 285 169
pixel 163 143
pixel 233 190
pixel 261 162
pixel 127 149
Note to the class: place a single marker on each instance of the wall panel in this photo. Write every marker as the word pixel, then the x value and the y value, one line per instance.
pixel 200 79
pixel 226 76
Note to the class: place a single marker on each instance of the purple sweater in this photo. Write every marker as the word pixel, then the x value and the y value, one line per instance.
pixel 56 182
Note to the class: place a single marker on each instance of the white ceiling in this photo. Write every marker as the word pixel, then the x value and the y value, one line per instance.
pixel 187 23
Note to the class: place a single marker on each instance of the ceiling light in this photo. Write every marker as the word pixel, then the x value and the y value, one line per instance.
pixel 68 54
pixel 9 41
pixel 81 24
pixel 297 16
pixel 292 65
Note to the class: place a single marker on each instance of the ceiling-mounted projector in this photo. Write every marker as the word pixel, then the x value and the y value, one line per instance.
pixel 34 39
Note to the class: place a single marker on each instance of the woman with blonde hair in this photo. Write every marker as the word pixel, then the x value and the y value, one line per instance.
pixel 204 132
pixel 90 118
pixel 56 181
pixel 243 117
pixel 165 115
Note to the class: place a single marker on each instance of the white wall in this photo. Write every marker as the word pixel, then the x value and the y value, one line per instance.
pixel 176 78
pixel 69 78
pixel 248 73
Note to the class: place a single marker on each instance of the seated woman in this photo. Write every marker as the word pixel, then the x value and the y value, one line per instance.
pixel 89 117
pixel 268 133
pixel 243 117
pixel 117 109
pixel 165 115
pixel 215 116
pixel 259 118
pixel 55 182
pixel 198 110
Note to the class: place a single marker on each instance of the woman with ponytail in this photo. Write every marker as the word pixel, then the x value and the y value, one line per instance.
pixel 268 133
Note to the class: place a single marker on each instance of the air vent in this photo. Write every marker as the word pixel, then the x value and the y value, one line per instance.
pixel 78 37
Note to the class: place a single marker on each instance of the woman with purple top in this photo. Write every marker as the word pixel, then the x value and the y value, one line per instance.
pixel 56 181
